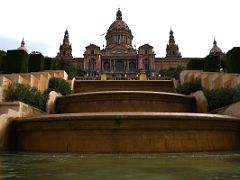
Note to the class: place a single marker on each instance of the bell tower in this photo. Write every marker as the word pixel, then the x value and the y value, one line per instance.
pixel 172 48
pixel 65 49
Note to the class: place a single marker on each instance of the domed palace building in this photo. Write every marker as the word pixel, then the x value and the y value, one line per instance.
pixel 119 58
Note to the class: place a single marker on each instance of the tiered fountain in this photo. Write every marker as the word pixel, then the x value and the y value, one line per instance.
pixel 125 117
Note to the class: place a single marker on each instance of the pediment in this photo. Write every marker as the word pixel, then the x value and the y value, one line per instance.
pixel 119 49
pixel 146 46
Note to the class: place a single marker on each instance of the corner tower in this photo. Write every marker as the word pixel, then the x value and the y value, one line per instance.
pixel 172 48
pixel 65 49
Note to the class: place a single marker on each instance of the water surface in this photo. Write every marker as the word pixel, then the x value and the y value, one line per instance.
pixel 208 166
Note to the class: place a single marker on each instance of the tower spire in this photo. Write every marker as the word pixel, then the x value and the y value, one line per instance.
pixel 65 49
pixel 172 48
pixel 22 43
pixel 214 42
pixel 171 37
pixel 66 37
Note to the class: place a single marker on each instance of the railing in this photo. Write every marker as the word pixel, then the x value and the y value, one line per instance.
pixel 121 78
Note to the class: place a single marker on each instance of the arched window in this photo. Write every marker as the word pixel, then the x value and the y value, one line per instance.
pixel 119 66
pixel 132 67
pixel 106 66
pixel 146 51
pixel 64 53
pixel 92 51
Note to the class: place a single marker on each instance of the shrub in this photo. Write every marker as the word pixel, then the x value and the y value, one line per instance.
pixel 236 95
pixel 189 87
pixel 59 85
pixel 26 94
pixel 217 98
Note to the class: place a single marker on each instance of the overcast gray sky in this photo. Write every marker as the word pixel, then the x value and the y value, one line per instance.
pixel 195 23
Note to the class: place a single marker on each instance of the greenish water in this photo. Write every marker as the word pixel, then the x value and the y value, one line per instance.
pixel 204 166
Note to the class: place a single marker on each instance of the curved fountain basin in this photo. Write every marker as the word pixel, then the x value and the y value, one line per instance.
pixel 82 86
pixel 126 132
pixel 125 101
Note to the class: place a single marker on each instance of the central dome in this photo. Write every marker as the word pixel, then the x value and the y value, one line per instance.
pixel 119 25
pixel 119 33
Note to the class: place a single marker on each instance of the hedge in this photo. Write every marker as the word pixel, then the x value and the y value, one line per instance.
pixel 212 63
pixel 4 64
pixel 36 62
pixel 1 62
pixel 48 63
pixel 16 62
pixel 233 60
pixel 195 64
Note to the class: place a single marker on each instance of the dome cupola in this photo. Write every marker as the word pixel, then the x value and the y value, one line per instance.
pixel 215 49
pixel 119 33
pixel 22 46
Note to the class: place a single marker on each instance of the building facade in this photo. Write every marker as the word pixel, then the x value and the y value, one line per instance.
pixel 119 58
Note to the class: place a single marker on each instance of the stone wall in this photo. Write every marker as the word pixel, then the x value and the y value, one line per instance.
pixel 38 80
pixel 211 80
pixel 18 109
pixel 231 110
pixel 166 63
